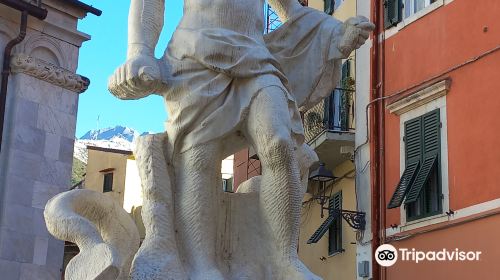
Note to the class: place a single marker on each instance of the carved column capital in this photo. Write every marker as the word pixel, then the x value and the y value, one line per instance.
pixel 45 71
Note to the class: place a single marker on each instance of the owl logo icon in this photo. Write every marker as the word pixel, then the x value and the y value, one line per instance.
pixel 386 255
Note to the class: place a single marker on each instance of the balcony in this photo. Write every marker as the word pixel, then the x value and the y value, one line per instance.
pixel 330 125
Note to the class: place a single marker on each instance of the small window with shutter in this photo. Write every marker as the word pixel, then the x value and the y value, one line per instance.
pixel 332 225
pixel 419 186
pixel 335 230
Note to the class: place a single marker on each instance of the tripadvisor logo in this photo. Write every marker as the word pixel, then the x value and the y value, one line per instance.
pixel 387 255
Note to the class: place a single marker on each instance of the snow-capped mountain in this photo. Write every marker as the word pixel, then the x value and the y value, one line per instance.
pixel 111 133
pixel 118 137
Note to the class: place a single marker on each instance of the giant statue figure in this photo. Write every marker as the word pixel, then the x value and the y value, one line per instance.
pixel 226 86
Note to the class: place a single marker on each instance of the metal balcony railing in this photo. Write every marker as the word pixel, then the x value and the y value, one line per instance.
pixel 334 114
pixel 272 19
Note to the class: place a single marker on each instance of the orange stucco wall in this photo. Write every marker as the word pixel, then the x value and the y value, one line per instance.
pixel 444 38
pixel 240 168
pixel 480 235
pixel 447 37
pixel 244 167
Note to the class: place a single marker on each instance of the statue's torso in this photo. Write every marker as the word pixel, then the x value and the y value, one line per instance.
pixel 243 16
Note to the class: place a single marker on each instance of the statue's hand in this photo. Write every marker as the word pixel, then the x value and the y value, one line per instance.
pixel 356 30
pixel 139 77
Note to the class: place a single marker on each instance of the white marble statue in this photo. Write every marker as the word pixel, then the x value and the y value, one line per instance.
pixel 227 86
pixel 106 235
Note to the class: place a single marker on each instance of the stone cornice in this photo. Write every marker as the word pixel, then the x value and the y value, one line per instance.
pixel 45 71
pixel 419 98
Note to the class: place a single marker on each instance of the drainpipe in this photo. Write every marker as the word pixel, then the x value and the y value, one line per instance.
pixel 26 9
pixel 375 131
pixel 383 204
pixel 378 125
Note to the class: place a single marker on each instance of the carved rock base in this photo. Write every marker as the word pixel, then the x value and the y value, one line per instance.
pixel 108 238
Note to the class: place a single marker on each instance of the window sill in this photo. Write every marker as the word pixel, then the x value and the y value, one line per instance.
pixel 407 21
pixel 426 221
pixel 336 253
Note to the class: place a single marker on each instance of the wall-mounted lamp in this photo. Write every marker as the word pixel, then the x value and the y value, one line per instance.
pixel 355 219
pixel 322 175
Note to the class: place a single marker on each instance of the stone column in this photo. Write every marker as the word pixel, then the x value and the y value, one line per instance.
pixel 37 148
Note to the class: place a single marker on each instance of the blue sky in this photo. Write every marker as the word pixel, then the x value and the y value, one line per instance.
pixel 100 56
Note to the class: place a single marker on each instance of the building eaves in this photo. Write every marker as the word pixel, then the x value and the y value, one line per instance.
pixel 109 150
pixel 85 7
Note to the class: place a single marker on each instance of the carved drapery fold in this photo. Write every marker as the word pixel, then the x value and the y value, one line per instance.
pixel 48 72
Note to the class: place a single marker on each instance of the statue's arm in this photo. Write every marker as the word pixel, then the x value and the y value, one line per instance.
pixel 145 25
pixel 353 32
pixel 285 9
pixel 142 74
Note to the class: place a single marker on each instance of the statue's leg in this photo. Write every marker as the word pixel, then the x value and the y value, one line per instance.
pixel 198 178
pixel 269 130
pixel 157 258
pixel 306 157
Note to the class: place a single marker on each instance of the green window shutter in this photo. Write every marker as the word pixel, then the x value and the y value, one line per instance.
pixel 329 6
pixel 335 202
pixel 393 10
pixel 432 133
pixel 321 230
pixel 422 177
pixel 430 156
pixel 413 141
pixel 335 235
pixel 413 154
pixel 403 185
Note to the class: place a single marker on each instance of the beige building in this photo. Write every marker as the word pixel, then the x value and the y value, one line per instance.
pixel 107 171
pixel 329 248
pixel 334 255
pixel 114 172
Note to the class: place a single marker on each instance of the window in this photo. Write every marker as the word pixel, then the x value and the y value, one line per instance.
pixel 107 185
pixel 414 6
pixel 339 107
pixel 392 12
pixel 332 224
pixel 395 10
pixel 329 6
pixel 335 230
pixel 420 184
pixel 227 184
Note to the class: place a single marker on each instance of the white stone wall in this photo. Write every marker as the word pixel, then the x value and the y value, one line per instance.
pixel 132 191
pixel 362 162
pixel 37 149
